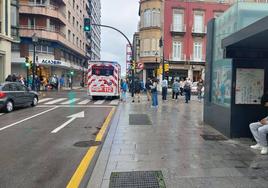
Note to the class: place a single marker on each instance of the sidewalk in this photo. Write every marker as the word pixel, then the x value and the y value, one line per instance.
pixel 173 144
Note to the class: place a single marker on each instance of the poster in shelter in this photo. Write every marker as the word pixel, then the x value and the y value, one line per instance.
pixel 249 86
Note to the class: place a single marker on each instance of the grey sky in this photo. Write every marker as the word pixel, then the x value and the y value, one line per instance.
pixel 122 14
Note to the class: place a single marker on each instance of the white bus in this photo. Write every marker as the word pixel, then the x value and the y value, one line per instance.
pixel 103 79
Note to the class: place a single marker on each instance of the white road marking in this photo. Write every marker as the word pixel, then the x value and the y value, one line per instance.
pixel 56 100
pixel 99 102
pixel 31 117
pixel 1 114
pixel 75 106
pixel 73 117
pixel 71 101
pixel 114 102
pixel 84 101
pixel 44 100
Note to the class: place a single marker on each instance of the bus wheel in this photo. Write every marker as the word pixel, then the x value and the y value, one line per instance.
pixel 94 98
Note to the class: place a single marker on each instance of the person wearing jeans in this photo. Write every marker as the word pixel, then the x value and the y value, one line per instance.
pixel 154 94
pixel 260 130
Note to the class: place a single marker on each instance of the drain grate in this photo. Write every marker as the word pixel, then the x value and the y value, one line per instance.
pixel 137 179
pixel 87 143
pixel 139 119
pixel 213 137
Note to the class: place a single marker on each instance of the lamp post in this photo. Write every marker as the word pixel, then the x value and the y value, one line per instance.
pixel 35 40
pixel 156 54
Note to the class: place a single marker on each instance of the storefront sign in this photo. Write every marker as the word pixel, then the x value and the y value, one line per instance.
pixel 51 62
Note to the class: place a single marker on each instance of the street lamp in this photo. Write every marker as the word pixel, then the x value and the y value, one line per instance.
pixel 34 40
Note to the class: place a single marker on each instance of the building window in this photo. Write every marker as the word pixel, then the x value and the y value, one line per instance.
pixel 69 16
pixel 69 35
pixel 177 20
pixel 73 21
pixel 147 18
pixel 198 23
pixel 177 50
pixel 155 18
pixel 31 23
pixel 197 51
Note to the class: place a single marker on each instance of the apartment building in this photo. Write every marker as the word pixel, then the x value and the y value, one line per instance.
pixel 94 36
pixel 185 31
pixel 8 34
pixel 58 27
pixel 150 33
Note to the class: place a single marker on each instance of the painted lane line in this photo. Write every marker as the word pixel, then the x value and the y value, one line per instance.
pixel 44 100
pixel 114 102
pixel 71 101
pixel 1 114
pixel 84 164
pixel 75 106
pixel 84 101
pixel 56 100
pixel 73 117
pixel 28 118
pixel 99 102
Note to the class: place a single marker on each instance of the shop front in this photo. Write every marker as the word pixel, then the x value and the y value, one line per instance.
pixel 46 68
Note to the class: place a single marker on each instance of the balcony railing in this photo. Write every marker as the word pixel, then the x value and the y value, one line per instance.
pixel 181 58
pixel 149 54
pixel 199 30
pixel 197 59
pixel 51 28
pixel 46 6
pixel 178 28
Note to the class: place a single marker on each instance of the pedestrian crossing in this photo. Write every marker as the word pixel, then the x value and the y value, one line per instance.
pixel 76 101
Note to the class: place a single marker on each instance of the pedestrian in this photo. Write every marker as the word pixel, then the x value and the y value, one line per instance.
pixel 181 87
pixel 61 82
pixel 154 93
pixel 175 90
pixel 164 89
pixel 200 86
pixel 21 80
pixel 187 90
pixel 123 91
pixel 259 131
pixel 148 85
pixel 14 78
pixel 38 83
pixel 9 78
pixel 137 90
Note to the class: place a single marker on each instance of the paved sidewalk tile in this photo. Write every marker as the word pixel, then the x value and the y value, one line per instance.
pixel 173 145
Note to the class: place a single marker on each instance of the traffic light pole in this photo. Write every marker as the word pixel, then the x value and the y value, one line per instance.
pixel 132 53
pixel 33 68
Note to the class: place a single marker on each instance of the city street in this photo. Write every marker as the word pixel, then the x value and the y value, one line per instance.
pixel 40 146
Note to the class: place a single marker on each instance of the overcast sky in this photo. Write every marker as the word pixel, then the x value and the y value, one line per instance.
pixel 122 14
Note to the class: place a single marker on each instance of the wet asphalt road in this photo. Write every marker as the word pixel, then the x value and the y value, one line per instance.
pixel 32 156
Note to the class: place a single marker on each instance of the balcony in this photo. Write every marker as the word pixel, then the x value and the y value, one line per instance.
pixel 197 60
pixel 180 59
pixel 52 33
pixel 43 9
pixel 199 31
pixel 178 29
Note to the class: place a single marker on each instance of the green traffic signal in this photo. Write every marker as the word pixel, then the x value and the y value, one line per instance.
pixel 72 72
pixel 87 25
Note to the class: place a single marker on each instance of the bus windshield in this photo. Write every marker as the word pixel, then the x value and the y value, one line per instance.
pixel 103 71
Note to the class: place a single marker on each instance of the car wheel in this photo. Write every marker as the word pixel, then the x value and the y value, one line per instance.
pixel 9 106
pixel 35 101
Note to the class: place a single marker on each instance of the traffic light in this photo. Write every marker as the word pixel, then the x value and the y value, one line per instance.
pixel 72 73
pixel 27 62
pixel 87 25
pixel 166 67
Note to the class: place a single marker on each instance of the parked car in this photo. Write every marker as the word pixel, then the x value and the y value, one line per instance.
pixel 13 94
pixel 194 88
